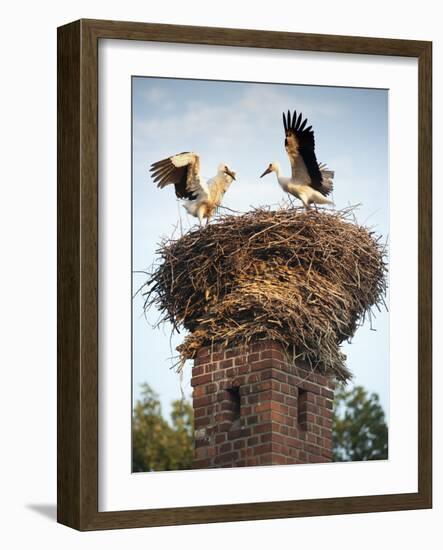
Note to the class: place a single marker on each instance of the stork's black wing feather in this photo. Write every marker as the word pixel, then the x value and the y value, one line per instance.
pixel 165 172
pixel 299 140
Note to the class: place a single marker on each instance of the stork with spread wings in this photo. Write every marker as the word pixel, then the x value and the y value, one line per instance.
pixel 310 181
pixel 183 171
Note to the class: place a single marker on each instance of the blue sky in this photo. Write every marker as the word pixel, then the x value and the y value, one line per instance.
pixel 241 124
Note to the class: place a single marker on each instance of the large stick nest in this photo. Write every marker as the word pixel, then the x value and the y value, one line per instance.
pixel 304 279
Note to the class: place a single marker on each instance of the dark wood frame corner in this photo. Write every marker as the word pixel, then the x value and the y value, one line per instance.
pixel 77 172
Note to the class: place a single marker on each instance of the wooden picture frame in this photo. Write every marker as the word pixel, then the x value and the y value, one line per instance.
pixel 78 274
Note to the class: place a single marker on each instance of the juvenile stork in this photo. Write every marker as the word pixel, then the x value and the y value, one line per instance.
pixel 310 181
pixel 183 171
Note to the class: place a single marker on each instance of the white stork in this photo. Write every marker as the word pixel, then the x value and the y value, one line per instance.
pixel 183 171
pixel 310 181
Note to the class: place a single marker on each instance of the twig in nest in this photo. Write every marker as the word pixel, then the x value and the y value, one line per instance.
pixel 304 279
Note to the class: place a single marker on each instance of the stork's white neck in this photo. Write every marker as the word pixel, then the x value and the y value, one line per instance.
pixel 278 172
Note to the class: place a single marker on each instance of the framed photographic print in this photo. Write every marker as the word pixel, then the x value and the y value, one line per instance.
pixel 244 275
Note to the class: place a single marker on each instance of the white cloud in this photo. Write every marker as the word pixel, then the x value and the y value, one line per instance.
pixel 257 109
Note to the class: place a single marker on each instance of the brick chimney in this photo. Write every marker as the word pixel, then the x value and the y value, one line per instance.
pixel 254 406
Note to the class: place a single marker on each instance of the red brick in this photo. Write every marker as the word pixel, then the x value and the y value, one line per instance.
pixel 316 429
pixel 262 364
pixel 200 422
pixel 263 427
pixel 211 367
pixel 227 457
pixel 311 438
pixel 201 411
pixel 201 452
pixel 267 431
pixel 243 369
pixel 277 417
pixel 224 426
pixel 325 422
pixel 203 352
pixel 262 448
pixel 241 432
pixel 234 352
pixel 329 404
pixel 329 394
pixel 202 401
pixel 310 387
pixel 279 459
pixel 201 463
pixel 266 344
pixel 212 451
pixel 312 408
pixel 266 437
pixel 303 457
pixel 259 346
pixel 291 401
pixel 202 379
pixel 278 397
pixel 288 390
pixel 199 363
pixel 266 374
pixel 325 432
pixel 272 354
pixel 253 398
pixel 280 376
pixel 222 416
pixel 196 371
pixel 239 444
pixel 225 447
pixel 321 380
pixel 223 393
pixel 199 391
pixel 308 397
pixel 266 406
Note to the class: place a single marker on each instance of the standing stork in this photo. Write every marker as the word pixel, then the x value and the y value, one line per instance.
pixel 183 171
pixel 310 181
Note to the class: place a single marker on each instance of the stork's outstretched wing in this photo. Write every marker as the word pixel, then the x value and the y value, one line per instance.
pixel 300 142
pixel 182 171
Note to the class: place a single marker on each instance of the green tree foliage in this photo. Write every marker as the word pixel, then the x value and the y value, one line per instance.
pixel 359 429
pixel 156 443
